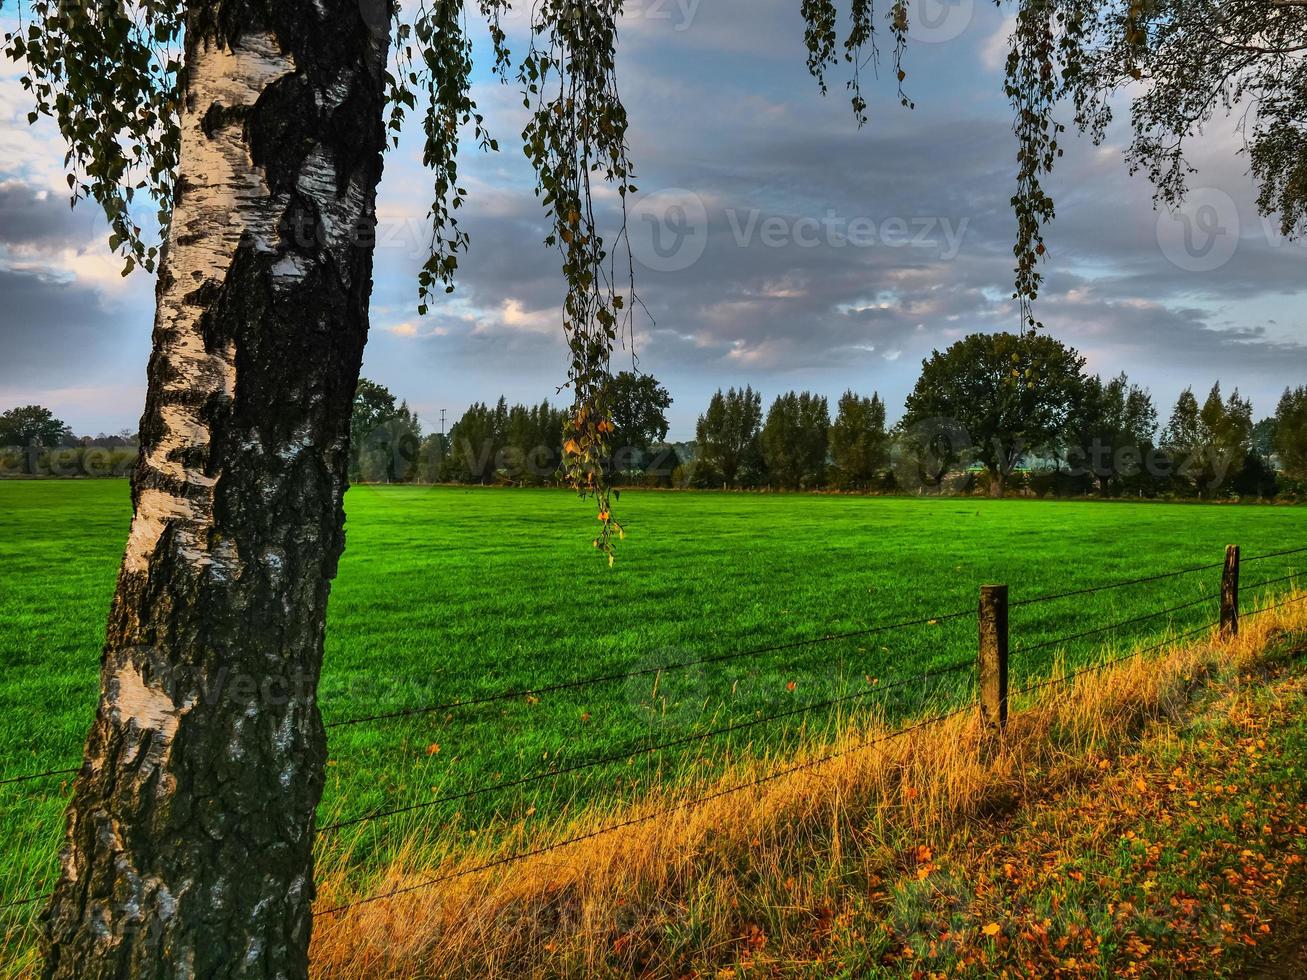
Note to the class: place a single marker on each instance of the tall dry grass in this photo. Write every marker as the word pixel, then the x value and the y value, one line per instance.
pixel 683 882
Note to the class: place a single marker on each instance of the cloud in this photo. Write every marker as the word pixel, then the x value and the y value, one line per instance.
pixel 62 333
pixel 34 217
pixel 994 50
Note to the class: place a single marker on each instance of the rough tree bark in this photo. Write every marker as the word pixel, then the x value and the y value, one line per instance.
pixel 189 836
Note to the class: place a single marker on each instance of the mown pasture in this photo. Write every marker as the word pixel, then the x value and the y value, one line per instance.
pixel 451 594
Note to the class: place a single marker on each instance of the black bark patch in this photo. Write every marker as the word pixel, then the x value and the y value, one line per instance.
pixel 220 116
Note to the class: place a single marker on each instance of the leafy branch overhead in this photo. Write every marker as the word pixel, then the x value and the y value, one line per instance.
pixel 576 135
pixel 1177 62
pixel 112 77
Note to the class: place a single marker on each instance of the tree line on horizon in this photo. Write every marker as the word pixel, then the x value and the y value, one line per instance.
pixel 993 413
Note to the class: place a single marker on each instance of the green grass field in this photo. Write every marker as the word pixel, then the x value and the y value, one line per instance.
pixel 445 594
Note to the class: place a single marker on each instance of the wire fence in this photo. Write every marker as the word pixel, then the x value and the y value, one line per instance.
pixel 632 750
pixel 652 815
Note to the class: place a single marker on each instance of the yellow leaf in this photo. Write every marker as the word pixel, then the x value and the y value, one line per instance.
pixel 992 930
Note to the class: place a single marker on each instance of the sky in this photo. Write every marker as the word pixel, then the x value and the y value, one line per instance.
pixel 776 243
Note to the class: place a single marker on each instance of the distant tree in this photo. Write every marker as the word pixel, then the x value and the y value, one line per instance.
pixel 391 450
pixel 506 443
pixel 1255 478
pixel 638 406
pixel 474 443
pixel 728 437
pixel 1181 434
pixel 1290 440
pixel 1112 429
pixel 385 437
pixel 545 455
pixel 519 439
pixel 32 425
pixel 1227 428
pixel 26 430
pixel 373 405
pixel 431 457
pixel 1209 445
pixel 1264 436
pixel 795 439
pixel 1012 394
pixel 859 443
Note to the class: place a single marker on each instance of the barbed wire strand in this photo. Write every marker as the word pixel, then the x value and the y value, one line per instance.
pixel 1090 590
pixel 1273 581
pixel 1273 554
pixel 39 775
pixel 1150 578
pixel 654 815
pixel 1116 626
pixel 1278 605
pixel 632 751
pixel 647 671
pixel 1103 664
pixel 1157 646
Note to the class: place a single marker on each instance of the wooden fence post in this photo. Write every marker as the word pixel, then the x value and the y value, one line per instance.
pixel 1230 593
pixel 993 657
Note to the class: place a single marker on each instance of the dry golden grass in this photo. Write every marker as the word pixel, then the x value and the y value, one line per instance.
pixel 684 882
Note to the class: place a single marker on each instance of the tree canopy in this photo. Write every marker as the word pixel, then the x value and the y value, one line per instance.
pixel 795 438
pixel 32 425
pixel 1211 441
pixel 1290 440
pixel 1109 418
pixel 1012 393
pixel 385 438
pixel 859 443
pixel 1177 63
pixel 728 435
pixel 639 405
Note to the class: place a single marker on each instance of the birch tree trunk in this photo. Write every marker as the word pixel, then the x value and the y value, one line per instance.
pixel 188 846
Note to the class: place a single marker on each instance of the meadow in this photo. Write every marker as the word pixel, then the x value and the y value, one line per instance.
pixel 451 594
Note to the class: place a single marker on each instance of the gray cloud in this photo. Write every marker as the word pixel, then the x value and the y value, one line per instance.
pixel 32 217
pixel 53 332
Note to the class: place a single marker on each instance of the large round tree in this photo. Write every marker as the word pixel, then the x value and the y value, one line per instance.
pixel 1012 394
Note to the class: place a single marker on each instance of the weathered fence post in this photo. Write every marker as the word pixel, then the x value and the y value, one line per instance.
pixel 993 657
pixel 1230 592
